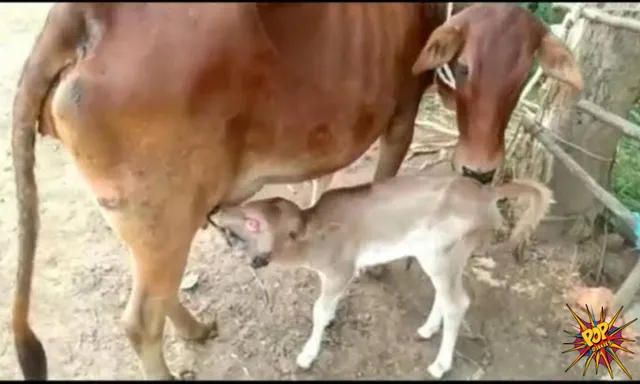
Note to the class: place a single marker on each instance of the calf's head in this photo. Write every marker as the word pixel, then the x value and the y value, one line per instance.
pixel 266 227
pixel 490 49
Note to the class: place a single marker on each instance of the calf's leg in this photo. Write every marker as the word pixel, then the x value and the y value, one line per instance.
pixel 434 320
pixel 324 311
pixel 455 303
pixel 450 303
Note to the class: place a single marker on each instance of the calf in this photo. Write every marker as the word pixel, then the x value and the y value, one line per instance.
pixel 438 219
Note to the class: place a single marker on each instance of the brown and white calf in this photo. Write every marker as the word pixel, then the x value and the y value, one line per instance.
pixel 438 219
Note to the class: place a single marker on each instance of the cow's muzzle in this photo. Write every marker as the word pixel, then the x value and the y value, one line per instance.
pixel 482 177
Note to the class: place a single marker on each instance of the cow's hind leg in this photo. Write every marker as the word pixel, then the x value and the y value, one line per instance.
pixel 159 237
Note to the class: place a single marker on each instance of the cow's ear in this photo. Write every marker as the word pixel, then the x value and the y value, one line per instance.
pixel 443 45
pixel 558 62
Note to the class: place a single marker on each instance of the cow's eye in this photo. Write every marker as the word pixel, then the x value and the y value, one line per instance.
pixel 461 71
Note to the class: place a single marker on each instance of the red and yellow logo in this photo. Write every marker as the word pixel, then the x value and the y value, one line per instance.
pixel 598 341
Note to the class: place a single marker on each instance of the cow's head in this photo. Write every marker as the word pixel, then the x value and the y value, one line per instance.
pixel 490 49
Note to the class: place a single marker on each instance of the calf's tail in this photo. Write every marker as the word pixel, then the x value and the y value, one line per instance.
pixel 55 48
pixel 538 197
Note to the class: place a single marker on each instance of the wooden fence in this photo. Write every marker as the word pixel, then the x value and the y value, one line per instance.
pixel 631 285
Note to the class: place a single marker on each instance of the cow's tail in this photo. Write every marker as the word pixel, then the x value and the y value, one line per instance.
pixel 538 197
pixel 54 49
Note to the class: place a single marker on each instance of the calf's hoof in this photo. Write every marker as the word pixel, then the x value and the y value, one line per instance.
pixel 305 359
pixel 428 332
pixel 437 370
pixel 186 375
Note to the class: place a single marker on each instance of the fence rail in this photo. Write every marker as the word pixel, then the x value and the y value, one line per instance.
pixel 613 21
pixel 599 16
pixel 628 128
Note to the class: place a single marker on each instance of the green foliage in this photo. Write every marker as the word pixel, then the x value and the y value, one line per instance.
pixel 626 170
pixel 542 10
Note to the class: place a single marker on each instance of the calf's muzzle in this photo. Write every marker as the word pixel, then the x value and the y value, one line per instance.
pixel 261 260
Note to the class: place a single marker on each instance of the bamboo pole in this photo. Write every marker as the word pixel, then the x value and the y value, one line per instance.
pixel 599 16
pixel 624 125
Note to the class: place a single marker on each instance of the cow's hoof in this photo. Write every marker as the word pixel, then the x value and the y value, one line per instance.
pixel 201 333
pixel 211 331
pixel 437 370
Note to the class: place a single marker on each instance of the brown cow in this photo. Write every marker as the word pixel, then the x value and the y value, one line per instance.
pixel 486 95
pixel 170 110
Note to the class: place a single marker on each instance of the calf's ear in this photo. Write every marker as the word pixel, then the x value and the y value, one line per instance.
pixel 443 44
pixel 252 224
pixel 558 62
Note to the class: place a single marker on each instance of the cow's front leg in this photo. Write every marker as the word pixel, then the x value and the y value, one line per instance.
pixel 394 144
pixel 186 326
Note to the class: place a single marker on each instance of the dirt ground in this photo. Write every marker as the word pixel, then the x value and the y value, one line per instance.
pixel 82 281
